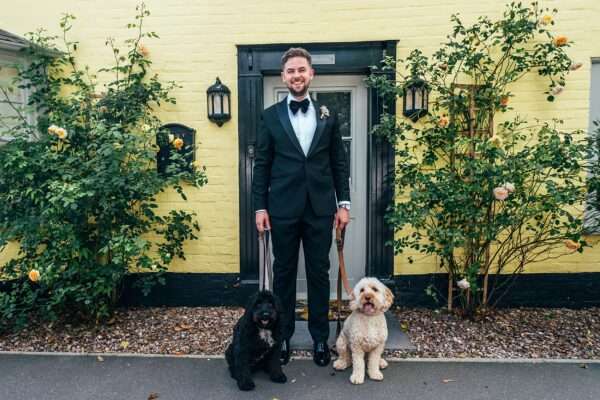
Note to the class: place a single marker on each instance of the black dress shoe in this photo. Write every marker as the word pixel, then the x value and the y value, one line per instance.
pixel 284 357
pixel 321 355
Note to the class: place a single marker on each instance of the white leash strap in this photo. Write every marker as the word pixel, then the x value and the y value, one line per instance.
pixel 265 274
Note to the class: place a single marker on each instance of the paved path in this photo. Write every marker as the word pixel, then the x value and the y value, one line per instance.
pixel 64 377
pixel 397 340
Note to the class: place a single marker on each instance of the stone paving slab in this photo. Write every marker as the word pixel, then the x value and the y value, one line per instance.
pixel 397 339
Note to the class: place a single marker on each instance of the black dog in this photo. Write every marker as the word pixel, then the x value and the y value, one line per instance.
pixel 256 341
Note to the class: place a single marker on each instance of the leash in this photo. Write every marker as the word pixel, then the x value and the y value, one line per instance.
pixel 342 277
pixel 266 269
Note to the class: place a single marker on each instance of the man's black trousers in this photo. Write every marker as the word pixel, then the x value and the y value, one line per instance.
pixel 315 232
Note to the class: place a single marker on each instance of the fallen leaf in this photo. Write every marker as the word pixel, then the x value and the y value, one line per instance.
pixel 185 326
pixel 153 396
pixel 448 380
pixel 99 358
pixel 124 344
pixel 293 380
pixel 584 366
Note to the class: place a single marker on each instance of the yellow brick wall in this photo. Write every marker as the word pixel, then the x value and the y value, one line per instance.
pixel 198 40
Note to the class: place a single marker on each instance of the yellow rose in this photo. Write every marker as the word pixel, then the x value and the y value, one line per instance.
pixel 34 275
pixel 178 143
pixel 61 133
pixel 443 122
pixel 558 89
pixel 575 66
pixel 546 20
pixel 572 245
pixel 52 129
pixel 143 50
pixel 560 40
pixel 495 141
pixel 509 186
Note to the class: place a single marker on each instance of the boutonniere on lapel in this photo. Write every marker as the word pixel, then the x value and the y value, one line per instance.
pixel 324 112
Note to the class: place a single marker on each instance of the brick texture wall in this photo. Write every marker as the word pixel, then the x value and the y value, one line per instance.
pixel 197 43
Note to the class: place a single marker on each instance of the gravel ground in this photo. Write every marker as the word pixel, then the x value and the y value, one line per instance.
pixel 507 333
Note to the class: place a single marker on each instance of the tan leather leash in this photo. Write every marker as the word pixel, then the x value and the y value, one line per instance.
pixel 266 273
pixel 342 277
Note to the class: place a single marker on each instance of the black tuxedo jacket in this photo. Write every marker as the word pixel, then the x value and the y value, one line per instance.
pixel 284 178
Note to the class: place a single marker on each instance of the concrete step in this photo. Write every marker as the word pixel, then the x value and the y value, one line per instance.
pixel 397 339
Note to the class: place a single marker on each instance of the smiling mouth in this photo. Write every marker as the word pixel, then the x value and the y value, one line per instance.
pixel 264 322
pixel 368 307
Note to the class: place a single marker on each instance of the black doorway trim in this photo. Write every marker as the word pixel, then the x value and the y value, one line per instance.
pixel 257 61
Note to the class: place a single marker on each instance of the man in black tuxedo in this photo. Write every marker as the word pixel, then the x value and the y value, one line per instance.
pixel 300 189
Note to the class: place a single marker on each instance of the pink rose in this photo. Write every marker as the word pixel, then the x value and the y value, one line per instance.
pixel 501 193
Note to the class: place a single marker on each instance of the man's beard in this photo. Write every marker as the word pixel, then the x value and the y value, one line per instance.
pixel 300 93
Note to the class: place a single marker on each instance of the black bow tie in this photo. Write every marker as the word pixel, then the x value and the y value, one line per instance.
pixel 296 105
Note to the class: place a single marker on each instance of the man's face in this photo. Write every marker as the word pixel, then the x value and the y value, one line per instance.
pixel 296 75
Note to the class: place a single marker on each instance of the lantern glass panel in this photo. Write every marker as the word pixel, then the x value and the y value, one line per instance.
pixel 226 104
pixel 409 104
pixel 217 104
pixel 211 106
pixel 418 99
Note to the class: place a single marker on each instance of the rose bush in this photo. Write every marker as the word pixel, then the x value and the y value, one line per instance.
pixel 79 186
pixel 487 198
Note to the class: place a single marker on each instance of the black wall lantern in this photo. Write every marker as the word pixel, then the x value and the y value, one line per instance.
pixel 218 103
pixel 416 99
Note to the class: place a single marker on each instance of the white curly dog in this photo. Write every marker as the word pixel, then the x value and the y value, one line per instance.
pixel 365 331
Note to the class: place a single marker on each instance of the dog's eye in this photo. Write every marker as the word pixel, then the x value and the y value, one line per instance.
pixel 362 290
pixel 375 289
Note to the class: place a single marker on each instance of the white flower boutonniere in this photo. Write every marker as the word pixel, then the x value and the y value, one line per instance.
pixel 324 112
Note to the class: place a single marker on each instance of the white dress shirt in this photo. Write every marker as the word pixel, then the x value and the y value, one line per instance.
pixel 304 124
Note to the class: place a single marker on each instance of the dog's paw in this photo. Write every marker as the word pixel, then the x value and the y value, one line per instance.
pixel 357 379
pixel 382 364
pixel 375 375
pixel 340 365
pixel 279 378
pixel 246 384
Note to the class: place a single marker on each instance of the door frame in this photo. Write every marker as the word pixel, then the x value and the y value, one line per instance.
pixel 257 61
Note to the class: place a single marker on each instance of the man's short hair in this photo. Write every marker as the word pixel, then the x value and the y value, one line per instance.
pixel 295 52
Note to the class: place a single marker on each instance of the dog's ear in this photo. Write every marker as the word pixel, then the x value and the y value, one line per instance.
pixel 250 305
pixel 389 299
pixel 354 303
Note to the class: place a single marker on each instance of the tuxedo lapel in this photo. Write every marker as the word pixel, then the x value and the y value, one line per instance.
pixel 284 118
pixel 321 122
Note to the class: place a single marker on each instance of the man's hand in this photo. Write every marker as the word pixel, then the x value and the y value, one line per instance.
pixel 342 218
pixel 262 221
